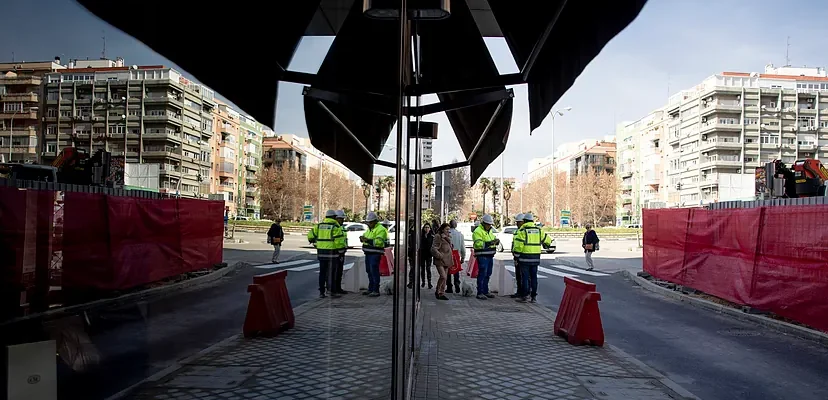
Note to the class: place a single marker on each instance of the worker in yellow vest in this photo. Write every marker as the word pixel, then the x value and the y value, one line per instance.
pixel 326 235
pixel 485 246
pixel 342 245
pixel 529 240
pixel 374 243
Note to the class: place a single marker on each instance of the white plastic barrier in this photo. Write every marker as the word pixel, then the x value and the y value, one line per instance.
pixel 501 282
pixel 355 279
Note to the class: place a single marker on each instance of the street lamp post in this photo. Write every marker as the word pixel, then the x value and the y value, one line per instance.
pixel 522 184
pixel 554 175
pixel 502 196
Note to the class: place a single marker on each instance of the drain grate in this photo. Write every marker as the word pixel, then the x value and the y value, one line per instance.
pixel 508 309
pixel 612 388
pixel 739 332
pixel 346 305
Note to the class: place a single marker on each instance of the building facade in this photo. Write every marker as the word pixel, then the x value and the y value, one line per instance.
pixel 21 108
pixel 640 170
pixel 584 153
pixel 282 151
pixel 714 135
pixel 250 158
pixel 149 114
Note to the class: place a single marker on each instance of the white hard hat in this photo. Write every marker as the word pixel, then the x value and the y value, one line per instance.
pixel 340 214
pixel 528 217
pixel 487 219
pixel 372 216
pixel 518 217
pixel 330 214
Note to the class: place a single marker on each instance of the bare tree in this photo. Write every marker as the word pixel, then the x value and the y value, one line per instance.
pixel 458 188
pixel 594 197
pixel 536 197
pixel 281 191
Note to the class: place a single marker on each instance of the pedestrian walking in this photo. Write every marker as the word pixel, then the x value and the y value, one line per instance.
pixel 373 245
pixel 342 245
pixel 590 245
pixel 485 246
pixel 275 237
pixel 426 240
pixel 325 235
pixel 529 240
pixel 435 225
pixel 412 252
pixel 518 270
pixel 443 260
pixel 457 243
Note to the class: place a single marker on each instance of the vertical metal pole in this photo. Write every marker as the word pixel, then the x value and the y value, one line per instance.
pixel 443 196
pixel 399 359
pixel 554 175
pixel 502 196
pixel 319 199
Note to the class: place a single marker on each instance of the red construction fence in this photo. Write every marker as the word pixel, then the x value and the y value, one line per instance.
pixel 770 258
pixel 98 242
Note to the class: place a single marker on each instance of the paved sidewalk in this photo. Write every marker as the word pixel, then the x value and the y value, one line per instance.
pixel 471 349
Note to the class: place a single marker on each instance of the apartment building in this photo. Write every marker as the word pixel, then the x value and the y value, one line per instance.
pixel 285 150
pixel 21 109
pixel 226 144
pixel 149 114
pixel 640 167
pixel 600 157
pixel 563 155
pixel 719 131
pixel 251 134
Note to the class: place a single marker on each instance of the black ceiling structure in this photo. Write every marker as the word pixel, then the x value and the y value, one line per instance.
pixel 349 102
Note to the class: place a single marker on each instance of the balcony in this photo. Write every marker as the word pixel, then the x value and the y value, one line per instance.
pixel 806 147
pixel 21 80
pixel 30 97
pixel 720 160
pixel 716 125
pixel 721 143
pixel 252 167
pixel 29 114
pixel 721 106
pixel 709 180
pixel 163 117
pixel 21 132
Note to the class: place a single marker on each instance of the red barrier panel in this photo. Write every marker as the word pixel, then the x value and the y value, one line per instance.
pixel 18 222
pixel 269 311
pixel 116 243
pixel 578 318
pixel 770 258
pixel 457 266
pixel 387 262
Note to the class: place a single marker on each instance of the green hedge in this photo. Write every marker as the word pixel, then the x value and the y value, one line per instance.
pixel 598 230
pixel 268 223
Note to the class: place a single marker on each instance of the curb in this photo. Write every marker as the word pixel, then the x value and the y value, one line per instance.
pixel 780 326
pixel 155 292
pixel 675 387
pixel 297 311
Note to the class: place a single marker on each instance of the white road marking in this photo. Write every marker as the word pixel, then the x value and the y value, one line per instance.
pixel 287 264
pixel 556 273
pixel 305 267
pixel 347 266
pixel 578 270
pixel 511 268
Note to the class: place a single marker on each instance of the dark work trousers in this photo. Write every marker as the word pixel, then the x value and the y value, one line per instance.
pixel 425 270
pixel 530 280
pixel 326 266
pixel 340 269
pixel 519 278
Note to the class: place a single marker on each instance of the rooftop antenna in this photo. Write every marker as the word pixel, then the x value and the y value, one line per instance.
pixel 788 52
pixel 12 56
pixel 103 52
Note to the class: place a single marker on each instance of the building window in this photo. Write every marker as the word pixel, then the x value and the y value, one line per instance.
pixel 751 121
pixel 51 147
pixel 117 129
pixel 51 112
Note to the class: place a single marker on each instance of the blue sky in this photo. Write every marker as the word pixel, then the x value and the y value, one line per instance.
pixel 673 45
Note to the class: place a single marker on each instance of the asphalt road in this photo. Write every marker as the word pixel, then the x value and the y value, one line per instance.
pixel 711 355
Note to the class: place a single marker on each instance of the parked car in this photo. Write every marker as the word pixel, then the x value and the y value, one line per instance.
pixel 506 240
pixel 353 230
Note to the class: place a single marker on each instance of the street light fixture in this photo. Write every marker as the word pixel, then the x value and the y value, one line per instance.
pixel 554 114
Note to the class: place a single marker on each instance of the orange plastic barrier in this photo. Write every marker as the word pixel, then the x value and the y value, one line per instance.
pixel 471 265
pixel 269 311
pixel 579 319
pixel 387 262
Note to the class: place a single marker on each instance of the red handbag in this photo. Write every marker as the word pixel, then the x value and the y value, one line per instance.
pixel 456 265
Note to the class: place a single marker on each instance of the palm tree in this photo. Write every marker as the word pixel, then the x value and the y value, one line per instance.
pixel 366 191
pixel 485 185
pixel 507 193
pixel 428 182
pixel 378 188
pixel 495 189
pixel 388 185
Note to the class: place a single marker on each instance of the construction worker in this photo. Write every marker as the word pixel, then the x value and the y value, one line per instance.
pixel 374 243
pixel 485 246
pixel 528 241
pixel 326 235
pixel 342 245
pixel 518 275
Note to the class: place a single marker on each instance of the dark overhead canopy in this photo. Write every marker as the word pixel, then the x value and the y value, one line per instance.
pixel 242 51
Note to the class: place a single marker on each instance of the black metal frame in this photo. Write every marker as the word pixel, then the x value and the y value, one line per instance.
pixel 321 95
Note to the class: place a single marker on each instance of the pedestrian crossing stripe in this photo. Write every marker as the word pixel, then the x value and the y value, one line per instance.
pixel 282 265
pixel 511 268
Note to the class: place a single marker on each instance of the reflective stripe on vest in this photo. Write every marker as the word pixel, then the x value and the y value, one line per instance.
pixel 372 236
